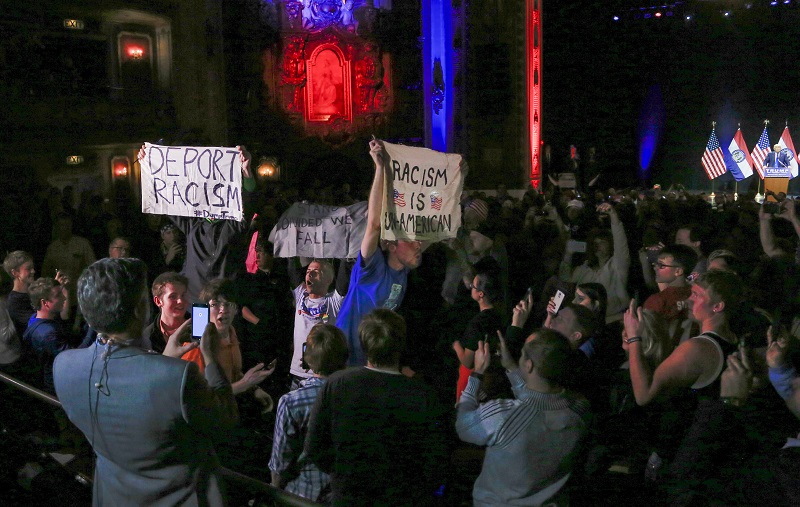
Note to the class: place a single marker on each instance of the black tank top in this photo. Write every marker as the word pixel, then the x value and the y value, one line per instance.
pixel 711 391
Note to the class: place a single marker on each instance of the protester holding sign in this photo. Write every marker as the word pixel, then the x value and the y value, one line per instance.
pixel 380 277
pixel 208 213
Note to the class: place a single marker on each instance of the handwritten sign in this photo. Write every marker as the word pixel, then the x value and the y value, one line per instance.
pixel 315 230
pixel 423 188
pixel 192 182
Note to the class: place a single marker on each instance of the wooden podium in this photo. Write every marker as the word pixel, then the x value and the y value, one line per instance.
pixel 776 179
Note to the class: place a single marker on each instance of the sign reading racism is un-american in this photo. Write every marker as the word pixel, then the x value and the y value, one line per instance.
pixel 192 182
pixel 423 190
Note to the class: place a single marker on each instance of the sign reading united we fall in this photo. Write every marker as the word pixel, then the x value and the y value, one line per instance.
pixel 192 182
pixel 423 190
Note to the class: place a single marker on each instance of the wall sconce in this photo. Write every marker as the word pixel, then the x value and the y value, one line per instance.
pixel 135 52
pixel 269 169
pixel 120 166
pixel 134 47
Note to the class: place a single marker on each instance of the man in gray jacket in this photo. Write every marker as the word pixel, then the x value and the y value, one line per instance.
pixel 532 440
pixel 150 418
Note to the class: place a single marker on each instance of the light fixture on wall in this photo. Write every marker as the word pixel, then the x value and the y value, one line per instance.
pixel 269 169
pixel 120 166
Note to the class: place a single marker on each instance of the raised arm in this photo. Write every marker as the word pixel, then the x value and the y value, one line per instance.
pixel 680 370
pixel 372 234
pixel 622 256
pixel 765 232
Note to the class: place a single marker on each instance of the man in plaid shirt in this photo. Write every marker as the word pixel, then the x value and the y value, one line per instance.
pixel 326 352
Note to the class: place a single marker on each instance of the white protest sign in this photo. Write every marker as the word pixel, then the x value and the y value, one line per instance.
pixel 421 199
pixel 316 230
pixel 192 182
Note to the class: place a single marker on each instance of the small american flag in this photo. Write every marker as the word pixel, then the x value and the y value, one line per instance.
pixel 713 159
pixel 399 198
pixel 436 202
pixel 760 152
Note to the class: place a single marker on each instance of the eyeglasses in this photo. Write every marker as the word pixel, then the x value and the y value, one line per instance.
pixel 661 265
pixel 227 305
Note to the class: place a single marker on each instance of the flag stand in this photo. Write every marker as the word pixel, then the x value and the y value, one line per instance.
pixel 713 204
pixel 736 191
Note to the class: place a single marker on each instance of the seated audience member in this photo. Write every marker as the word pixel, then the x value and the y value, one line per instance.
pixel 484 290
pixel 376 431
pixel 533 440
pixel 219 295
pixel 169 295
pixel 671 270
pixel 151 419
pixel 326 353
pixel 695 364
pixel 46 335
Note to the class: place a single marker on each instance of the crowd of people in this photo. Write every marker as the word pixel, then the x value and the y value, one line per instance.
pixel 566 346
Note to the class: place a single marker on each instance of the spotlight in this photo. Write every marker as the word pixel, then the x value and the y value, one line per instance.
pixel 774 3
pixel 658 14
pixel 786 2
pixel 727 13
pixel 689 18
pixel 616 18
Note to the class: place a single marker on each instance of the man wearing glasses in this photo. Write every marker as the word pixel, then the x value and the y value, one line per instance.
pixel 671 270
pixel 119 248
pixel 222 309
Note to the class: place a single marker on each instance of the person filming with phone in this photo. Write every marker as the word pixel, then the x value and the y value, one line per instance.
pixel 218 296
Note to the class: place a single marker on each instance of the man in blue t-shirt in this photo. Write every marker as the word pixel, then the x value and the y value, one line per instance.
pixel 45 335
pixel 379 277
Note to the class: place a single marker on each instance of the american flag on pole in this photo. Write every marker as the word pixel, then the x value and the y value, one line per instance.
pixel 399 199
pixel 791 157
pixel 760 152
pixel 713 158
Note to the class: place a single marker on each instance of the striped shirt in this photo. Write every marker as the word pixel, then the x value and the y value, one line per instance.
pixel 531 441
pixel 301 477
